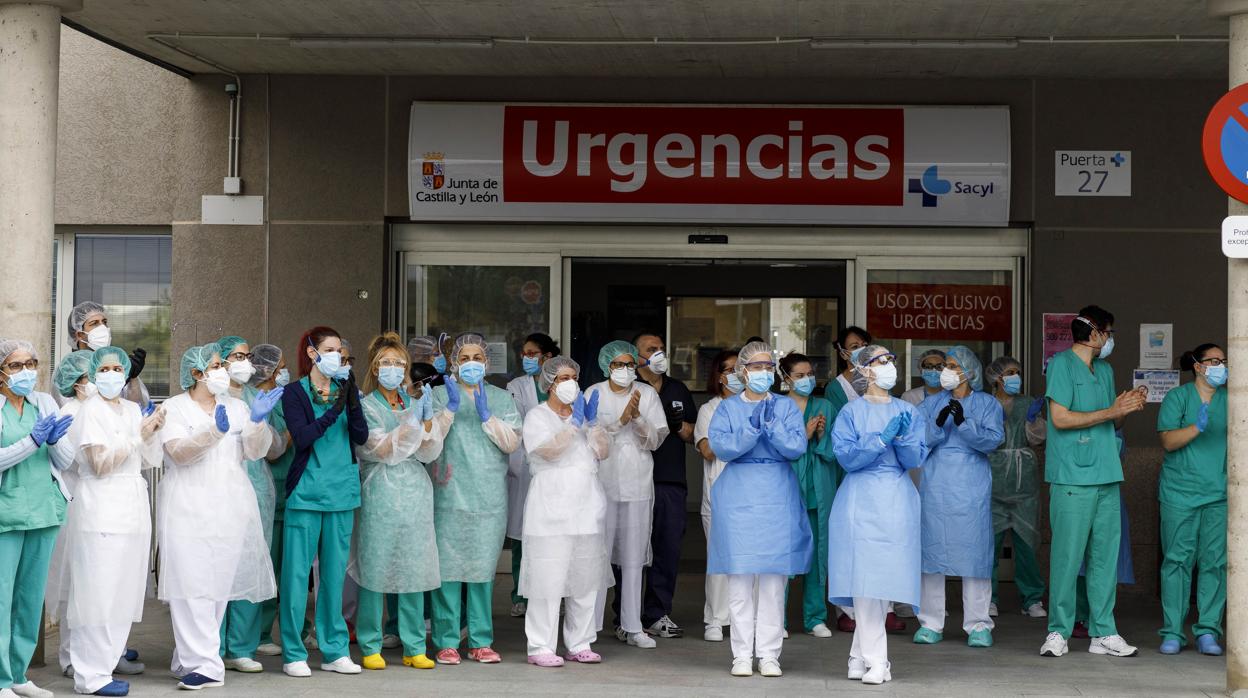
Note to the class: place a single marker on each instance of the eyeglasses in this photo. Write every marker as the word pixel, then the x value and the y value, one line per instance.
pixel 932 367
pixel 622 364
pixel 391 363
pixel 1215 361
pixel 882 359
pixel 240 356
pixel 15 366
pixel 760 366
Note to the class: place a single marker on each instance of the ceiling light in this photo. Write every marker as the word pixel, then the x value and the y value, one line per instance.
pixel 373 42
pixel 913 43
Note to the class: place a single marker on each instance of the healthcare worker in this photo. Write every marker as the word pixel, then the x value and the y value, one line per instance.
pixel 964 425
pixel 931 362
pixel 1192 491
pixel 1016 483
pixel 761 535
pixel 874 540
pixel 394 550
pixel 326 422
pixel 212 548
pixel 424 349
pixel 722 383
pixel 527 392
pixel 271 372
pixel 1083 468
pixel 565 519
pixel 32 508
pixel 816 476
pixel 108 527
pixel 634 419
pixel 470 500
pixel 89 330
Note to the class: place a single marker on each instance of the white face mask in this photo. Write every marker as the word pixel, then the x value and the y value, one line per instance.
pixel 99 337
pixel 567 391
pixel 86 391
pixel 885 376
pixel 950 379
pixel 658 363
pixel 218 381
pixel 241 371
pixel 623 377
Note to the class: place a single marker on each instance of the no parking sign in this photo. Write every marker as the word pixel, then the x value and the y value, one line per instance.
pixel 1225 143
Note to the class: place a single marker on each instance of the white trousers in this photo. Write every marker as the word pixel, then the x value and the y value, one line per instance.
pixel 630 601
pixel 94 654
pixel 196 637
pixel 62 648
pixel 870 642
pixel 715 612
pixel 976 595
pixel 756 612
pixel 541 624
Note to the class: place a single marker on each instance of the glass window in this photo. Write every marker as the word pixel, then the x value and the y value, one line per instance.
pixel 130 276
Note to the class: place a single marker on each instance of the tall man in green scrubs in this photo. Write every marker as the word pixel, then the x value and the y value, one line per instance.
pixel 1083 470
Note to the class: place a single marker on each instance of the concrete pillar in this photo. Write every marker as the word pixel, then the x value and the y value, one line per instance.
pixel 30 43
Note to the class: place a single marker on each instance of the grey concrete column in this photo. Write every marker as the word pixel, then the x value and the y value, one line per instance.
pixel 30 42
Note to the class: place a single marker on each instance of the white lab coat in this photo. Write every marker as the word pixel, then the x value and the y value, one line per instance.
pixel 523 390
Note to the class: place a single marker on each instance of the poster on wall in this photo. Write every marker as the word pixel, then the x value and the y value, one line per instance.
pixel 1057 337
pixel 709 163
pixel 1158 381
pixel 1156 345
pixel 952 312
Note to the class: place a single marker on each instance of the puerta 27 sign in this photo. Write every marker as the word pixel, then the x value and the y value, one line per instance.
pixel 710 164
pixel 945 312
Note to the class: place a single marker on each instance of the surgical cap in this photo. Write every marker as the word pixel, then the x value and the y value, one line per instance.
pixel 870 352
pixel 468 339
pixel 78 317
pixel 551 368
pixel 72 368
pixel 102 353
pixel 265 358
pixel 196 359
pixel 8 346
pixel 422 348
pixel 970 365
pixel 931 352
pixel 613 349
pixel 226 345
pixel 997 369
pixel 749 351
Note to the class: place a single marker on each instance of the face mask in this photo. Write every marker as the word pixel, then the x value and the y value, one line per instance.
pixel 859 382
pixel 218 381
pixel 110 384
pixel 1013 384
pixel 390 377
pixel 531 365
pixel 735 385
pixel 931 377
pixel 86 391
pixel 804 386
pixel 1215 376
pixel 471 372
pixel 99 337
pixel 241 371
pixel 759 381
pixel 283 377
pixel 658 363
pixel 329 363
pixel 623 377
pixel 886 376
pixel 439 364
pixel 853 355
pixel 567 392
pixel 949 379
pixel 22 382
pixel 1108 348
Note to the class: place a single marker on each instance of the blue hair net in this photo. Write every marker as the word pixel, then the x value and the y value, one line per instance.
pixel 72 368
pixel 971 367
pixel 613 349
pixel 98 356
pixel 196 358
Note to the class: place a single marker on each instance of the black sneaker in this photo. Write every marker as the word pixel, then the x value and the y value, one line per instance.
pixel 665 627
pixel 194 682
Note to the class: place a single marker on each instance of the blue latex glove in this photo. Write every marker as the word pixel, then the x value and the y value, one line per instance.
pixel 892 429
pixel 1034 410
pixel 426 405
pixel 1202 418
pixel 151 407
pixel 907 418
pixel 61 428
pixel 578 411
pixel 452 393
pixel 264 403
pixel 43 429
pixel 756 417
pixel 483 404
pixel 223 420
pixel 591 408
pixel 769 412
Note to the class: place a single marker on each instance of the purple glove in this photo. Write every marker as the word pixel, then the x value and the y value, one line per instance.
pixel 43 429
pixel 591 408
pixel 578 411
pixel 452 393
pixel 222 419
pixel 62 426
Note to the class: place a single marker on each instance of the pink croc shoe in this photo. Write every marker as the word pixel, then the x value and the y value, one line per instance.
pixel 448 656
pixel 546 660
pixel 585 657
pixel 485 655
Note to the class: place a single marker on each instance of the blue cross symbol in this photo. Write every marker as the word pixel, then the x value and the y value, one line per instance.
pixel 1118 159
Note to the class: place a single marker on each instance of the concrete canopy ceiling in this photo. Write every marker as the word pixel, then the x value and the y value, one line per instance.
pixel 1094 38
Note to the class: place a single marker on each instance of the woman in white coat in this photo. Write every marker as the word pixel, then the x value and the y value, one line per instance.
pixel 723 383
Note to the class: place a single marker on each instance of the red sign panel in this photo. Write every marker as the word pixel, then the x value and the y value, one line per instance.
pixel 939 312
pixel 690 155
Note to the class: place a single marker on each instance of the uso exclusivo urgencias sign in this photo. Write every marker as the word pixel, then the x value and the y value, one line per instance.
pixel 710 164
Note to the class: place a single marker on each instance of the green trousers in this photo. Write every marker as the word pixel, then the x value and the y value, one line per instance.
pixel 815 582
pixel 447 604
pixel 1026 571
pixel 1087 527
pixel 24 559
pixel 1193 537
pixel 516 552
pixel 309 535
pixel 240 629
pixel 268 609
pixel 369 627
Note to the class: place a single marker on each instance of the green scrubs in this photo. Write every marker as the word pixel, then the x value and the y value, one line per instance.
pixel 320 514
pixel 410 619
pixel 816 476
pixel 1016 503
pixel 279 468
pixel 449 601
pixel 1192 491
pixel 1084 471
pixel 32 510
pixel 835 394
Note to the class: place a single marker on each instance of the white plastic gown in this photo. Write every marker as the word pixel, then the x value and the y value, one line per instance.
pixel 710 469
pixel 565 545
pixel 108 525
pixel 627 473
pixel 523 390
pixel 393 550
pixel 56 595
pixel 470 484
pixel 260 475
pixel 1016 474
pixel 956 486
pixel 208 523
pixel 874 545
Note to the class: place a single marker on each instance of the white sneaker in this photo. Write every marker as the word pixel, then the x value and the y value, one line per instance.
pixel 269 649
pixel 621 634
pixel 743 667
pixel 642 640
pixel 1054 646
pixel 786 633
pixel 342 665
pixel 30 690
pixel 297 669
pixel 247 665
pixel 878 674
pixel 904 610
pixel 713 633
pixel 820 630
pixel 769 667
pixel 1036 610
pixel 857 668
pixel 992 610
pixel 7 693
pixel 1112 645
pixel 389 642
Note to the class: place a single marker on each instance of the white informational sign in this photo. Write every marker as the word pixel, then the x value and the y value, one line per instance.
pixel 1092 173
pixel 1157 345
pixel 709 163
pixel 231 210
pixel 1235 236
pixel 1158 381
pixel 496 357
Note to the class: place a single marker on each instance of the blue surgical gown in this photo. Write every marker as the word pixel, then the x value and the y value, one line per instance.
pixel 956 486
pixel 873 531
pixel 761 525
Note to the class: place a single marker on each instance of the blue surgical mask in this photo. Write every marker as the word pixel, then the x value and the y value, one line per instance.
pixel 734 384
pixel 110 383
pixel 853 355
pixel 439 364
pixel 532 365
pixel 759 381
pixel 931 377
pixel 804 386
pixel 1216 376
pixel 22 382
pixel 471 372
pixel 1013 384
pixel 329 363
pixel 283 377
pixel 390 377
pixel 1108 348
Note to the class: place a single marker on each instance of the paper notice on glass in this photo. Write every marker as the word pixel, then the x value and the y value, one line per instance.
pixel 1056 334
pixel 1157 345
pixel 1158 381
pixel 496 355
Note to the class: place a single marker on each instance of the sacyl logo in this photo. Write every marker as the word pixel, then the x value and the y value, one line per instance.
pixel 930 186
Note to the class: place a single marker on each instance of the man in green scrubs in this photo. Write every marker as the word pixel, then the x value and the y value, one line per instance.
pixel 1083 470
